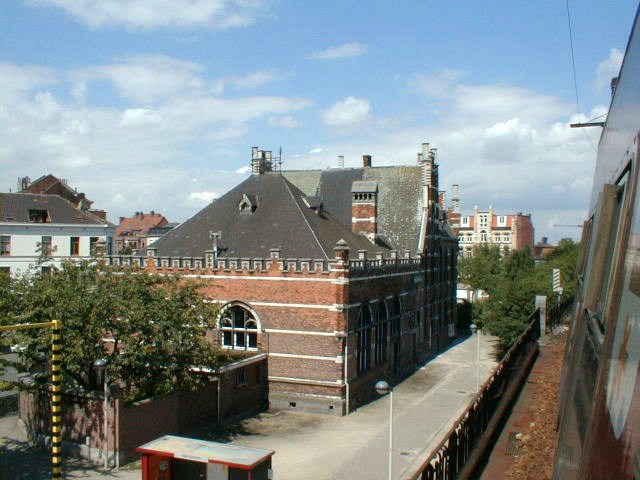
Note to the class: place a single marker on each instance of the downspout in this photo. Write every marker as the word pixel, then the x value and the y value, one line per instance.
pixel 219 380
pixel 346 371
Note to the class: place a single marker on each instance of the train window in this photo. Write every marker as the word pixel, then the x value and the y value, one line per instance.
pixel 584 247
pixel 605 238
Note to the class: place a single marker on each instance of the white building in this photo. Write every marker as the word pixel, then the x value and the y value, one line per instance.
pixel 36 224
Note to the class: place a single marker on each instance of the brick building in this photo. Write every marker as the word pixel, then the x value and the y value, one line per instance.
pixel 133 233
pixel 342 277
pixel 51 185
pixel 508 232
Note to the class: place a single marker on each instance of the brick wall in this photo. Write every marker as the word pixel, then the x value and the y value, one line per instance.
pixel 241 388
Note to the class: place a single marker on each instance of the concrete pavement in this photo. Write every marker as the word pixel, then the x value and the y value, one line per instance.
pixel 322 447
pixel 318 447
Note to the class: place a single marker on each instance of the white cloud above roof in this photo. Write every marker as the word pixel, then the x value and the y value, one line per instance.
pixel 607 69
pixel 350 111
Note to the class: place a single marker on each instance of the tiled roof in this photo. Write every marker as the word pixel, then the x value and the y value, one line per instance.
pixel 16 207
pixel 281 219
pixel 141 223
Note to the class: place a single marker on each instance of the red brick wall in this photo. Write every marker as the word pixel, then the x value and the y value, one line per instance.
pixel 131 425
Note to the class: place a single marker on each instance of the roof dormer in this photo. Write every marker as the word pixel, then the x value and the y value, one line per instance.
pixel 248 204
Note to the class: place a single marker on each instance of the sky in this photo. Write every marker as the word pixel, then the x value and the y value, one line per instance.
pixel 155 104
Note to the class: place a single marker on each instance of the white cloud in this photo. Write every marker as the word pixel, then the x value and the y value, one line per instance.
pixel 256 79
pixel 79 91
pixel 147 78
pixel 133 157
pixel 436 86
pixel 286 121
pixel 151 14
pixel 244 170
pixel 349 111
pixel 346 50
pixel 317 150
pixel 607 69
pixel 138 117
pixel 200 199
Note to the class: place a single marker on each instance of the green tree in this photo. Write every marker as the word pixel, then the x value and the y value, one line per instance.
pixel 480 270
pixel 154 326
pixel 512 282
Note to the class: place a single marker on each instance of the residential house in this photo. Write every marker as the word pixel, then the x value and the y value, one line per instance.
pixel 507 231
pixel 51 185
pixel 37 227
pixel 133 232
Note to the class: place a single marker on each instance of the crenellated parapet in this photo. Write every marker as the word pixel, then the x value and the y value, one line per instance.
pixel 341 266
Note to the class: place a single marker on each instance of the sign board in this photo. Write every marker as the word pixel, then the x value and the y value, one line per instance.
pixel 556 281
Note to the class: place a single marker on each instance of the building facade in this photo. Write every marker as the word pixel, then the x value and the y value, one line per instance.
pixel 46 229
pixel 486 227
pixel 335 296
pixel 133 233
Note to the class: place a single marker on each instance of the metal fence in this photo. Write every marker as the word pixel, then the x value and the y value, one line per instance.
pixel 558 312
pixel 463 451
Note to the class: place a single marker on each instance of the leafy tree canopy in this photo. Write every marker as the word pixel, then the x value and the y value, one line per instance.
pixel 150 328
pixel 512 281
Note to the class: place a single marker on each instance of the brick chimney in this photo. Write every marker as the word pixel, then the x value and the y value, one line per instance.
pixel 366 161
pixel 261 161
pixel 364 208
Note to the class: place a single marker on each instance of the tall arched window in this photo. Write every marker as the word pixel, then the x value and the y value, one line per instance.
pixel 238 328
pixel 396 316
pixel 381 328
pixel 364 338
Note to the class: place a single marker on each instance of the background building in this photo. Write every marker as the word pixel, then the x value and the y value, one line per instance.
pixel 135 233
pixel 508 231
pixel 34 226
pixel 342 276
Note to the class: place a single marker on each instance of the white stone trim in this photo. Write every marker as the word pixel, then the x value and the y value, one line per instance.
pixel 306 381
pixel 306 357
pixel 302 332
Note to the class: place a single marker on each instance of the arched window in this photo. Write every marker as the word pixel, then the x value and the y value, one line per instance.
pixel 238 328
pixel 396 316
pixel 381 330
pixel 364 339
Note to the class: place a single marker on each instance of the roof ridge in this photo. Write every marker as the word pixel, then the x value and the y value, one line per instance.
pixel 288 185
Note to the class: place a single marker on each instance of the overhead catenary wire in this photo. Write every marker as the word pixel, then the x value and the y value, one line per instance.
pixel 575 76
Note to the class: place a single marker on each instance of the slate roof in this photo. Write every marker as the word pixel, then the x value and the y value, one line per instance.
pixel 399 198
pixel 281 219
pixel 14 207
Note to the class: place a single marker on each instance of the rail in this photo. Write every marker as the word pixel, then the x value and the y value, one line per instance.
pixel 558 312
pixel 464 449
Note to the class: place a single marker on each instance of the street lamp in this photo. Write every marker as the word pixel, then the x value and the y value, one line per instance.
pixel 383 388
pixel 101 368
pixel 475 330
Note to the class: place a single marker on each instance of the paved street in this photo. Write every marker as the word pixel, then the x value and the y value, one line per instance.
pixel 321 447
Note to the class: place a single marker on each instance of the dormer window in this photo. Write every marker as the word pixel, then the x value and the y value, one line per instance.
pixel 248 204
pixel 39 216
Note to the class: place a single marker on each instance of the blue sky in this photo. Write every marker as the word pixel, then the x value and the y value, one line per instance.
pixel 155 104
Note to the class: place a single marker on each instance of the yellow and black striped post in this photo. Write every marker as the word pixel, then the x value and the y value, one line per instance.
pixel 56 398
pixel 56 402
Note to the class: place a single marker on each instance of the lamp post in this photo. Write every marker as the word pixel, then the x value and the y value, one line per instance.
pixel 383 388
pixel 475 330
pixel 101 367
